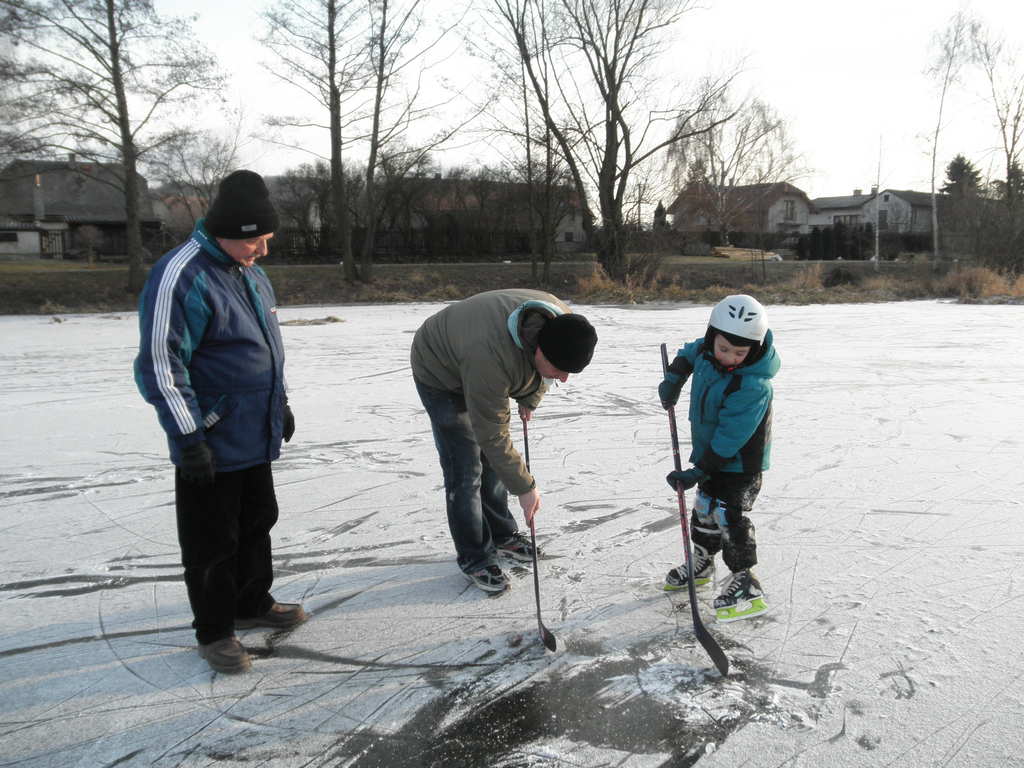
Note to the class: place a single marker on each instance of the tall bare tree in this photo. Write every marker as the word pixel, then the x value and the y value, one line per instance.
pixel 401 54
pixel 519 133
pixel 99 78
pixel 602 112
pixel 742 152
pixel 192 163
pixel 950 51
pixel 1004 76
pixel 320 48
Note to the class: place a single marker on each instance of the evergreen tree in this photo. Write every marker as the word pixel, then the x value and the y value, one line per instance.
pixel 963 180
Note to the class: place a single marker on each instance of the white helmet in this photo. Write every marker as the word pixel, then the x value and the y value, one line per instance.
pixel 742 316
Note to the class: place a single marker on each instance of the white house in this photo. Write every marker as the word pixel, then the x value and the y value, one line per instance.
pixel 900 210
pixel 847 209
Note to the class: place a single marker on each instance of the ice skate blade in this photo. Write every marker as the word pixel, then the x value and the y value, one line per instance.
pixel 698 583
pixel 745 609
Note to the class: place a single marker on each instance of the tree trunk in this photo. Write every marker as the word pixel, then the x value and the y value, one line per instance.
pixel 339 194
pixel 128 158
pixel 371 163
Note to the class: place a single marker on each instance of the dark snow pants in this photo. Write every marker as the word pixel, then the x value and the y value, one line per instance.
pixel 224 532
pixel 730 494
pixel 475 499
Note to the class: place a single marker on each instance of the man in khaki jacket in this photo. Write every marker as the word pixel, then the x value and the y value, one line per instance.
pixel 468 361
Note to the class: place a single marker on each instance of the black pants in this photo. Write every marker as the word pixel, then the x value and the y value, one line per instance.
pixel 224 532
pixel 735 493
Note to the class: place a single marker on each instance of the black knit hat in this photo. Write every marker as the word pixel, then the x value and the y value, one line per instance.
pixel 568 341
pixel 242 208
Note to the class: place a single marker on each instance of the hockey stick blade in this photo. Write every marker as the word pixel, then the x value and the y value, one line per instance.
pixel 546 635
pixel 714 650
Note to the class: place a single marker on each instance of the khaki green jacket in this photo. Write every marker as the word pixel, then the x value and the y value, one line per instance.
pixel 483 348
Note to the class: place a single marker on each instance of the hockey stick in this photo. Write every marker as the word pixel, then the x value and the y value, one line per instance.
pixel 703 636
pixel 545 634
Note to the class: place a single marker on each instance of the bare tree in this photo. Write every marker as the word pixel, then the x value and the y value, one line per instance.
pixel 1005 79
pixel 601 112
pixel 193 162
pixel 950 45
pixel 320 48
pixel 741 153
pixel 519 133
pixel 14 141
pixel 99 77
pixel 400 47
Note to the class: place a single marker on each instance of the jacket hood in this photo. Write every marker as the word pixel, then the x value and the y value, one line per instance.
pixel 767 365
pixel 517 321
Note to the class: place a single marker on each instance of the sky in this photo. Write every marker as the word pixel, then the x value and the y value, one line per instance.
pixel 889 547
pixel 850 81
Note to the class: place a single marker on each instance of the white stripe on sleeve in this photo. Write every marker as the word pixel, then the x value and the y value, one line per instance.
pixel 159 340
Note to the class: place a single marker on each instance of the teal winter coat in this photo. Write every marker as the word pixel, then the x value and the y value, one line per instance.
pixel 730 411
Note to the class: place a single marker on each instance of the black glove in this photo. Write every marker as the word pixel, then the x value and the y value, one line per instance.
pixel 669 390
pixel 676 375
pixel 289 424
pixel 685 479
pixel 197 464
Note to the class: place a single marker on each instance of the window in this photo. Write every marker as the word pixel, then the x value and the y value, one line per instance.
pixel 568 236
pixel 8 237
pixel 883 220
pixel 885 198
pixel 790 212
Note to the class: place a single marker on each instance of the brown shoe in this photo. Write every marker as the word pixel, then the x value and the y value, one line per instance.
pixel 280 616
pixel 226 655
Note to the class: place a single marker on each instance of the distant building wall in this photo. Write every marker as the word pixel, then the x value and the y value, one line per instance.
pixel 21 243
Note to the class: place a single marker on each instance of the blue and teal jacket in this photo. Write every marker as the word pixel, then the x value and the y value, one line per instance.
pixel 210 354
pixel 730 411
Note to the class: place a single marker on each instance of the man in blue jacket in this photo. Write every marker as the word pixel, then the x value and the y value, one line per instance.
pixel 211 362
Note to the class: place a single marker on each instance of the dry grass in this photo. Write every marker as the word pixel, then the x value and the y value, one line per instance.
pixel 810 279
pixel 50 288
pixel 980 283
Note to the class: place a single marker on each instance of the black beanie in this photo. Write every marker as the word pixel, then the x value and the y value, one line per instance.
pixel 242 208
pixel 567 341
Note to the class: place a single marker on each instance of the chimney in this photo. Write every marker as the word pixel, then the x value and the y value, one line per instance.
pixel 874 189
pixel 858 192
pixel 38 206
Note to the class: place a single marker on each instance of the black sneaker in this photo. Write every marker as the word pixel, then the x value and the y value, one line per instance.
pixel 226 655
pixel 703 571
pixel 519 547
pixel 489 579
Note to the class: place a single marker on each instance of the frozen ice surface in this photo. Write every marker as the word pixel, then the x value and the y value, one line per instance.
pixel 889 535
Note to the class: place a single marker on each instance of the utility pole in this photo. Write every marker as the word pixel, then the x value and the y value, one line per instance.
pixel 878 192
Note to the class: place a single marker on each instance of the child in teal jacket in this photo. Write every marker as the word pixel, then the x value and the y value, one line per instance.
pixel 730 414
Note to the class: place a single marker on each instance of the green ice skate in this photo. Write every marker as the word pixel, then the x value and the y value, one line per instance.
pixel 742 598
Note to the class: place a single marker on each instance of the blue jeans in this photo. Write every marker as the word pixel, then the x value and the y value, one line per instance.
pixel 476 500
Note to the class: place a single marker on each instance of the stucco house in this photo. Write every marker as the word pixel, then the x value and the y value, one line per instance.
pixel 780 207
pixel 901 210
pixel 843 209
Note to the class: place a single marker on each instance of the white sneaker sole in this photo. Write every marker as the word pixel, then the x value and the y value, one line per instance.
pixel 493 588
